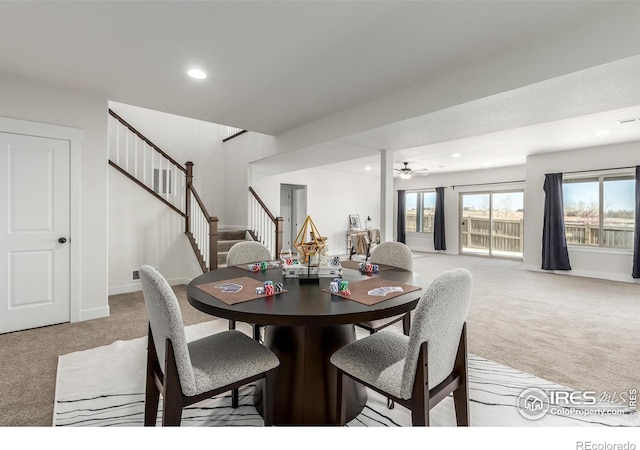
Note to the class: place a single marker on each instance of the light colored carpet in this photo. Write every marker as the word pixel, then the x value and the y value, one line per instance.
pixel 579 332
pixel 104 386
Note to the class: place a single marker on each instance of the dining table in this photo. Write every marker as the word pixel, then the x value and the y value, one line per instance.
pixel 305 324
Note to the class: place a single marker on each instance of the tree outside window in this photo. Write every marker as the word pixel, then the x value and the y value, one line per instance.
pixel 599 211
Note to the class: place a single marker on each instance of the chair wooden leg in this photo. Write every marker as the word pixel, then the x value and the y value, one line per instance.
pixel 151 400
pixel 461 403
pixel 267 404
pixel 172 392
pixel 406 324
pixel 341 404
pixel 256 333
pixel 420 395
pixel 461 394
pixel 235 398
pixel 152 393
pixel 232 324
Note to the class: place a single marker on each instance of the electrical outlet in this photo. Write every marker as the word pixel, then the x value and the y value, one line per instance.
pixel 135 274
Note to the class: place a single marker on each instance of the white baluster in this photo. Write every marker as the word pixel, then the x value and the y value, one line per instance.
pixel 118 144
pixel 135 158
pixel 126 150
pixel 144 163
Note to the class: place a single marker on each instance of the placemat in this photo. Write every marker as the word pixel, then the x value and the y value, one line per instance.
pixel 353 264
pixel 269 267
pixel 375 290
pixel 235 290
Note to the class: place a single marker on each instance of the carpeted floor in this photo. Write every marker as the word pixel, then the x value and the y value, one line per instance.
pixel 578 332
pixel 104 386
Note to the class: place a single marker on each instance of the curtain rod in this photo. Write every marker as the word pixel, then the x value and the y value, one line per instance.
pixel 423 189
pixel 597 170
pixel 486 184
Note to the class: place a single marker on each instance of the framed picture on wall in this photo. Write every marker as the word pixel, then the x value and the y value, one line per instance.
pixel 354 222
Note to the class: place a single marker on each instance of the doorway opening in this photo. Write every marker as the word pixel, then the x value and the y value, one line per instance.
pixel 293 209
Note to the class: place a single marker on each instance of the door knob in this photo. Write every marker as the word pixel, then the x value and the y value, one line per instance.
pixel 62 240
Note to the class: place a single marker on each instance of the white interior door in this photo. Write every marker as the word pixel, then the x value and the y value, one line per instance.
pixel 285 213
pixel 34 232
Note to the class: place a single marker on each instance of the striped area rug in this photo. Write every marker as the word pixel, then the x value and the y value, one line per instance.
pixel 104 387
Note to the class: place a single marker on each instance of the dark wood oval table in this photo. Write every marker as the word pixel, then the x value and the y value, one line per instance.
pixel 304 327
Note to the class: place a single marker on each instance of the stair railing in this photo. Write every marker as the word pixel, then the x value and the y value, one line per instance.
pixel 265 227
pixel 140 160
pixel 201 228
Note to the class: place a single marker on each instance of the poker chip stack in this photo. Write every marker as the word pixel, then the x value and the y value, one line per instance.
pixel 269 288
pixel 255 267
pixel 368 267
pixel 340 285
pixel 335 261
pixel 279 287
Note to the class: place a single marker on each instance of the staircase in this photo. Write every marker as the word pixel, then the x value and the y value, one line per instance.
pixel 226 239
pixel 140 160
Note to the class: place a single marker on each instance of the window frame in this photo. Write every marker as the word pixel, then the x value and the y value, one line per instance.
pixel 419 210
pixel 600 177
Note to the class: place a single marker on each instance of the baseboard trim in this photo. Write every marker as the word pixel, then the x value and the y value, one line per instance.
pixel 136 287
pixel 94 313
pixel 585 274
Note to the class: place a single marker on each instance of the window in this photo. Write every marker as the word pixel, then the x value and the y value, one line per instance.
pixel 599 211
pixel 162 181
pixel 420 211
pixel 492 223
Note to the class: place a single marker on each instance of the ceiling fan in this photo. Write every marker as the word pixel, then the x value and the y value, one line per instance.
pixel 406 172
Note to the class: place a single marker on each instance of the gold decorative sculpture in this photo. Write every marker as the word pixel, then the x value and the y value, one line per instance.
pixel 308 241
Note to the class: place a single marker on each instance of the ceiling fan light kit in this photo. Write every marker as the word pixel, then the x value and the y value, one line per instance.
pixel 406 172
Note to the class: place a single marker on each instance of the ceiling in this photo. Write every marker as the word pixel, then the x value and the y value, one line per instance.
pixel 275 66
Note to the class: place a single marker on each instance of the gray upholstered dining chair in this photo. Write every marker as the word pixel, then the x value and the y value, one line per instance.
pixel 394 254
pixel 188 372
pixel 419 370
pixel 246 252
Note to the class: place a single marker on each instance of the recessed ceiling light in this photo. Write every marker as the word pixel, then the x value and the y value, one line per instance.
pixel 629 120
pixel 456 155
pixel 367 168
pixel 197 74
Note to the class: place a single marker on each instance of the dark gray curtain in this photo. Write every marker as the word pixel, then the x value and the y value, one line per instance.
pixel 636 233
pixel 400 224
pixel 555 255
pixel 439 241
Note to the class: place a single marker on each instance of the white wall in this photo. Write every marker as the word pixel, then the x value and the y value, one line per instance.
pixel 331 197
pixel 142 230
pixel 29 100
pixel 239 152
pixel 504 178
pixel 597 263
